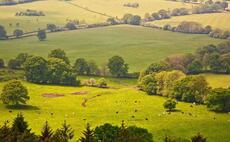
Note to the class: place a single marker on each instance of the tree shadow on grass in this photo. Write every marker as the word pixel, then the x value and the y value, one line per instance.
pixel 22 107
pixel 174 110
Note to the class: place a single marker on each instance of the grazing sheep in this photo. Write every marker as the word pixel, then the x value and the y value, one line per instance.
pixel 10 111
pixel 146 119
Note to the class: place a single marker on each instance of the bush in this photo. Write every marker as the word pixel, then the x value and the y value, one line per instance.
pixel 41 35
pixel 71 26
pixel 191 89
pixel 219 100
pixel 2 33
pixel 101 83
pixel 13 64
pixel 18 33
pixel 2 63
pixel 190 27
pixel 14 93
pixel 170 104
pixel 148 84
pixel 51 27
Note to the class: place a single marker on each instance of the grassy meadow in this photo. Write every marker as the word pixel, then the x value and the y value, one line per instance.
pixel 137 45
pixel 58 12
pixel 124 98
pixel 216 20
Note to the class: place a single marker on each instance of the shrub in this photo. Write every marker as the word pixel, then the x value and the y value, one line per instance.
pixel 41 35
pixel 148 84
pixel 81 66
pixel 219 100
pixel 13 64
pixel 191 89
pixel 51 27
pixel 14 93
pixel 2 63
pixel 170 104
pixel 101 83
pixel 18 33
pixel 190 27
pixel 106 132
pixel 60 54
pixel 2 32
pixel 71 26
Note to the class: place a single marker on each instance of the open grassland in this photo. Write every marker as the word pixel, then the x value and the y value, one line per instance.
pixel 216 20
pixel 137 45
pixel 57 12
pixel 116 104
pixel 116 8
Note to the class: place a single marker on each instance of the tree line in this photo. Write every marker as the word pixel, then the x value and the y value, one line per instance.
pixel 168 78
pixel 19 131
pixel 57 69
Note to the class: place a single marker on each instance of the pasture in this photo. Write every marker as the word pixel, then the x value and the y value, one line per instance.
pixel 216 20
pixel 60 12
pixel 121 102
pixel 139 46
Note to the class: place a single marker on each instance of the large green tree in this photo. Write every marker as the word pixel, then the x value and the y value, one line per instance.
pixel 59 53
pixel 14 93
pixel 117 66
pixel 36 69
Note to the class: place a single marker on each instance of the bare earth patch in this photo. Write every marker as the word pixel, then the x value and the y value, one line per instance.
pixel 80 93
pixel 50 95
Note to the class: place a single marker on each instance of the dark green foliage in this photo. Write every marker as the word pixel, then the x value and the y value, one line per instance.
pixel 36 69
pixel 179 12
pixel 136 134
pixel 112 21
pixel 195 67
pixel 148 84
pixel 135 20
pixel 18 33
pixel 198 138
pixel 71 26
pixel 52 27
pixel 41 35
pixel 131 19
pixel 13 64
pixel 106 133
pixel 175 139
pixel 21 58
pixel 117 66
pixel 88 135
pixel 190 27
pixel 60 54
pixel 14 93
pixel 46 133
pixel 170 104
pixel 156 67
pixel 20 130
pixel 191 89
pixel 8 74
pixel 81 66
pixel 219 100
pixel 2 63
pixel 93 69
pixel 2 32
pixel 5 133
pixel 59 72
pixel 63 134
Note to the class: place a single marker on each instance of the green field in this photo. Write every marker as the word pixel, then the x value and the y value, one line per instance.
pixel 57 12
pixel 216 20
pixel 121 97
pixel 137 45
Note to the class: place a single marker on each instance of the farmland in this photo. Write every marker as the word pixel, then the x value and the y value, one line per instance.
pixel 108 85
pixel 130 42
pixel 121 97
pixel 216 20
